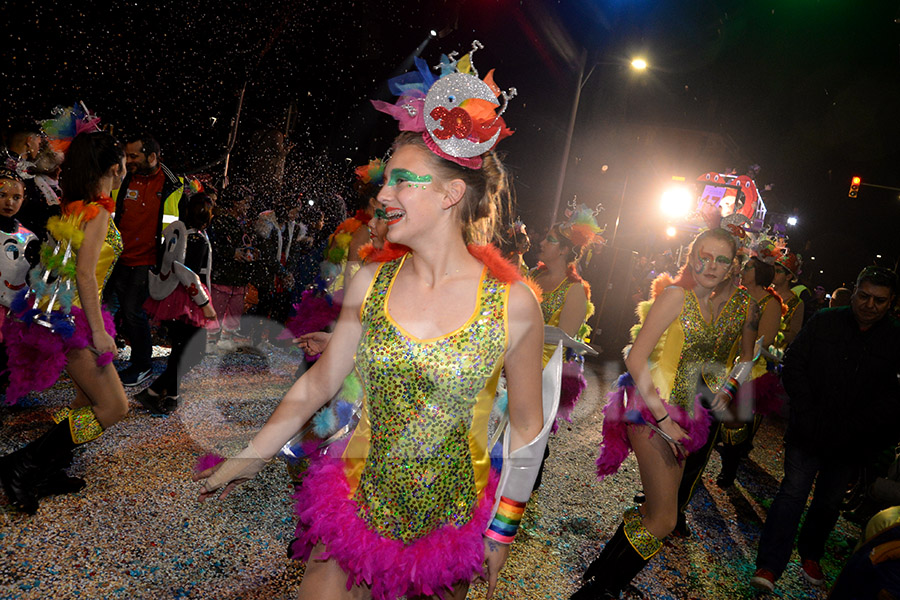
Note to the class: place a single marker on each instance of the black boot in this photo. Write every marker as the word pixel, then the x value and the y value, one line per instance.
pixel 57 482
pixel 612 571
pixel 731 457
pixel 23 471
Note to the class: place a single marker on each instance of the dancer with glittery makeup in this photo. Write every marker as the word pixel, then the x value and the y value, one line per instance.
pixel 681 353
pixel 566 301
pixel 409 508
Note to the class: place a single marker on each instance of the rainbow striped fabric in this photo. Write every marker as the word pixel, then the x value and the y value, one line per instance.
pixel 505 524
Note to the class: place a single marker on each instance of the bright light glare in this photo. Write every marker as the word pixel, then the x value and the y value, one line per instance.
pixel 792 221
pixel 877 256
pixel 676 202
pixel 433 33
pixel 639 63
pixel 310 202
pixel 671 231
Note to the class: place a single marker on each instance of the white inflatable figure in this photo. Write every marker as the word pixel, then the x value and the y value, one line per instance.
pixel 172 270
pixel 14 265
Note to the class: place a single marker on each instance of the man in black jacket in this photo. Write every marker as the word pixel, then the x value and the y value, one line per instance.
pixel 841 374
pixel 149 191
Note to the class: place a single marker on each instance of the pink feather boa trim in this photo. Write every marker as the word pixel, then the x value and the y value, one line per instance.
pixel 573 385
pixel 615 445
pixel 428 566
pixel 37 356
pixel 769 394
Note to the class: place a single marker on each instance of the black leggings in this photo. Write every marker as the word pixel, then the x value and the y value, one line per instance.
pixel 188 350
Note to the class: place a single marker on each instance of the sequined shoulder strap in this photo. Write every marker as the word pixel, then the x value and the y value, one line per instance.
pixel 492 298
pixel 378 289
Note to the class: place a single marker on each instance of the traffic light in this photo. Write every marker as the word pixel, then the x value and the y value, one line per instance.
pixel 854 187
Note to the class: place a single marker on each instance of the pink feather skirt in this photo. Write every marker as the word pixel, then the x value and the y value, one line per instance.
pixel 37 356
pixel 573 386
pixel 429 565
pixel 624 407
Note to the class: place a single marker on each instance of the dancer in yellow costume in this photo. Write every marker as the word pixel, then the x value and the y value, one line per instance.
pixel 406 510
pixel 787 268
pixel 683 349
pixel 760 398
pixel 66 328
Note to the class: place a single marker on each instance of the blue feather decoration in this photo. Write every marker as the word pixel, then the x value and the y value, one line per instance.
pixel 625 380
pixel 19 303
pixel 325 422
pixel 502 402
pixel 66 298
pixel 61 324
pixel 40 288
pixel 344 411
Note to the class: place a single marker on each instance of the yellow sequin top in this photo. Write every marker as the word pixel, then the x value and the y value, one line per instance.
pixel 551 307
pixel 68 229
pixel 785 326
pixel 418 459
pixel 759 367
pixel 109 254
pixel 691 347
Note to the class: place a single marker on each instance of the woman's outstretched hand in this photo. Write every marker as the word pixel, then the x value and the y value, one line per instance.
pixel 230 474
pixel 495 555
pixel 313 343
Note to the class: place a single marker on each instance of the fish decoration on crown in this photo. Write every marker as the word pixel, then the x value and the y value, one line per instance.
pixel 455 112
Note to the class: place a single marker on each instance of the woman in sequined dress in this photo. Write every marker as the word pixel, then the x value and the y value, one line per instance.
pixel 566 304
pixel 737 436
pixel 402 512
pixel 683 349
pixel 94 166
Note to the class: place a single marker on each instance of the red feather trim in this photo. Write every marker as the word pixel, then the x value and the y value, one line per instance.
pixel 89 210
pixel 662 281
pixel 489 255
pixel 535 288
pixel 572 272
pixel 363 217
pixel 388 253
pixel 493 259
pixel 778 297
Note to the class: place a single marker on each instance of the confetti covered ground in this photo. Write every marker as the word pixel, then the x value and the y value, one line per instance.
pixel 135 531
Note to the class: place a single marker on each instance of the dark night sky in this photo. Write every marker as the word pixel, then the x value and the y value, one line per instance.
pixel 807 89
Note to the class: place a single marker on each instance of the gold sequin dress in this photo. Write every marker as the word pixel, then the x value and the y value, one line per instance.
pixel 404 508
pixel 573 381
pixel 39 354
pixel 690 353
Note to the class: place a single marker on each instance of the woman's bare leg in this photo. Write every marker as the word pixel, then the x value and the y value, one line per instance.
pixel 101 386
pixel 81 398
pixel 326 580
pixel 660 478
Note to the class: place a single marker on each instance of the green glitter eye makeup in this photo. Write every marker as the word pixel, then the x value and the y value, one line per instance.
pixel 411 179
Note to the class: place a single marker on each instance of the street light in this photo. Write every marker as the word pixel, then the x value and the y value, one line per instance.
pixel 638 64
pixel 676 202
